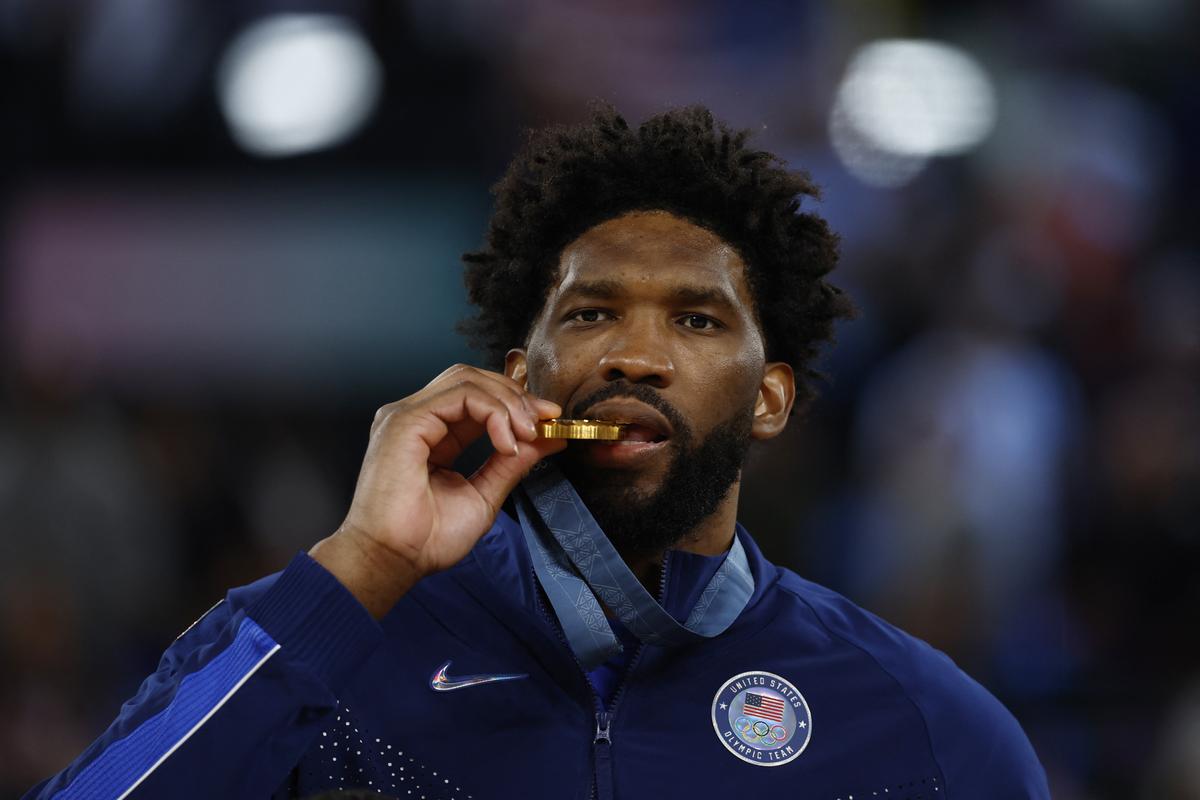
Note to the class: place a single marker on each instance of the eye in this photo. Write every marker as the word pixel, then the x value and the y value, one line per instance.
pixel 699 322
pixel 586 315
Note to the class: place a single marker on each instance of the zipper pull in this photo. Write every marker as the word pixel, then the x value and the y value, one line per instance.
pixel 603 786
pixel 603 727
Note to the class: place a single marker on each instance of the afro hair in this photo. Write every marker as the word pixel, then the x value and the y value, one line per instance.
pixel 567 179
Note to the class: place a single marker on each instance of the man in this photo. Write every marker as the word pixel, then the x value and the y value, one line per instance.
pixel 605 628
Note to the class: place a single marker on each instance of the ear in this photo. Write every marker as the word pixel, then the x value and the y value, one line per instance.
pixel 776 394
pixel 515 366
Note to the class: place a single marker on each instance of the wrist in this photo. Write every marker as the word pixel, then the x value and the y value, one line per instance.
pixel 376 576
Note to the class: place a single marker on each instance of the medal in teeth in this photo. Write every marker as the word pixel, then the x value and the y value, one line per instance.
pixel 581 429
pixel 599 430
pixel 593 429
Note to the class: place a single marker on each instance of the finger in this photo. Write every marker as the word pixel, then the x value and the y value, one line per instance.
pixel 455 442
pixel 539 407
pixel 547 409
pixel 520 405
pixel 460 373
pixel 460 414
pixel 500 473
pixel 535 407
pixel 499 423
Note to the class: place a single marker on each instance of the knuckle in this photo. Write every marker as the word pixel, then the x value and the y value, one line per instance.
pixel 459 384
pixel 449 373
pixel 389 416
pixel 382 415
pixel 516 387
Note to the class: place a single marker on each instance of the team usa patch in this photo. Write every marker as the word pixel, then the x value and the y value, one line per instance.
pixel 762 718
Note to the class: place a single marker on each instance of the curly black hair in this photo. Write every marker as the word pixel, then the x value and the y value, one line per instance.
pixel 566 179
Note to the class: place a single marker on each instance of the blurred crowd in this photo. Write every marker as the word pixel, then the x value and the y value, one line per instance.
pixel 1004 460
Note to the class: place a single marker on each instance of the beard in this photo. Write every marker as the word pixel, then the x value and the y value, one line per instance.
pixel 698 477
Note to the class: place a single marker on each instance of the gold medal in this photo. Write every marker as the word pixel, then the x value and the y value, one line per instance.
pixel 580 429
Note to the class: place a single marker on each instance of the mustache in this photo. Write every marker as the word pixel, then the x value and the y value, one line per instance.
pixel 638 391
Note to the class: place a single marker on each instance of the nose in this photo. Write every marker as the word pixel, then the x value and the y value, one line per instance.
pixel 639 354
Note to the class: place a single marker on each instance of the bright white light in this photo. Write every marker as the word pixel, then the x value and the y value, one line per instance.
pixel 292 83
pixel 910 100
pixel 866 161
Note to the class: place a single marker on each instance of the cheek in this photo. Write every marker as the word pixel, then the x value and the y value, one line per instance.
pixel 738 380
pixel 547 369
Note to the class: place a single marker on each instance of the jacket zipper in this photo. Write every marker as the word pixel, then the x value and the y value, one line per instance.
pixel 602 741
pixel 562 638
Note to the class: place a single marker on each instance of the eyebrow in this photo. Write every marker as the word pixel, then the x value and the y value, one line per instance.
pixel 608 289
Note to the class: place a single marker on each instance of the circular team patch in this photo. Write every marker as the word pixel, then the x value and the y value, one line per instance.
pixel 762 718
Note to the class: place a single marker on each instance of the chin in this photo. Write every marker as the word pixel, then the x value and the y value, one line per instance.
pixel 625 485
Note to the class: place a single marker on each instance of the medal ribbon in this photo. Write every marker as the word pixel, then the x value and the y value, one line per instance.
pixel 575 562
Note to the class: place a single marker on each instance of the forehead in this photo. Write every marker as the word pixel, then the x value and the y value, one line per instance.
pixel 651 248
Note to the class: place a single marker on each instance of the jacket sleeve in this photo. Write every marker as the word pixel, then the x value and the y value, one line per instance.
pixel 982 750
pixel 236 700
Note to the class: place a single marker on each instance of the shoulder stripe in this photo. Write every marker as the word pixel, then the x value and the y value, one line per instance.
pixel 200 619
pixel 125 764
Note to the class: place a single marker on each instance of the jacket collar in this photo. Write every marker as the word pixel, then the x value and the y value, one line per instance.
pixel 503 559
pixel 499 574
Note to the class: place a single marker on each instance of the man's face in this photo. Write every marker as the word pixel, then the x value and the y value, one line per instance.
pixel 651 322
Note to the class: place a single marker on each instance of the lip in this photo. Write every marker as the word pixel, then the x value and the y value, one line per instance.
pixel 635 412
pixel 622 455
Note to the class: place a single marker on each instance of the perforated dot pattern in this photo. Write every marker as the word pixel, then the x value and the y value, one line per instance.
pixel 350 757
pixel 919 789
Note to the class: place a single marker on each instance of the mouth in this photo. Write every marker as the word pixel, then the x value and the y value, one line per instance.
pixel 645 437
pixel 635 433
pixel 643 423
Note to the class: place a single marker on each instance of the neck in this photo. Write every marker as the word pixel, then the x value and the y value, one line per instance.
pixel 711 537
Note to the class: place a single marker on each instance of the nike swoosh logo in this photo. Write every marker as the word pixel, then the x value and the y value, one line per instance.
pixel 441 682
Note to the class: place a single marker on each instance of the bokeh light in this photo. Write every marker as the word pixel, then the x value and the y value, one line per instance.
pixel 293 83
pixel 902 101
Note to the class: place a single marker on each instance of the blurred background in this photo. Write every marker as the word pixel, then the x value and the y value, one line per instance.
pixel 231 230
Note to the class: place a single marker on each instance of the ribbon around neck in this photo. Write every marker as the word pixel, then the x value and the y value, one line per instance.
pixel 576 563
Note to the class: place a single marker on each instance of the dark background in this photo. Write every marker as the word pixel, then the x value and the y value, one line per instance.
pixel 1005 460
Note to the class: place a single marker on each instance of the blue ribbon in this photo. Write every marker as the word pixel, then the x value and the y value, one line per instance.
pixel 576 563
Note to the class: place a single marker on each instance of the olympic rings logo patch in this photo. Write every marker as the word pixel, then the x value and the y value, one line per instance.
pixel 762 718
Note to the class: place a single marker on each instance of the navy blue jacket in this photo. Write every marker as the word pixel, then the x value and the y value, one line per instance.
pixel 288 687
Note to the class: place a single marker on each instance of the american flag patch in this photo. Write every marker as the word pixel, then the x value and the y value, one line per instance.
pixel 764 707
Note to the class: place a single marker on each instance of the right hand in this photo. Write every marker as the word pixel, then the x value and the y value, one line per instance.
pixel 412 515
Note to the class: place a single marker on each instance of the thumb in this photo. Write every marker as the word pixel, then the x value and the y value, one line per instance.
pixel 503 471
